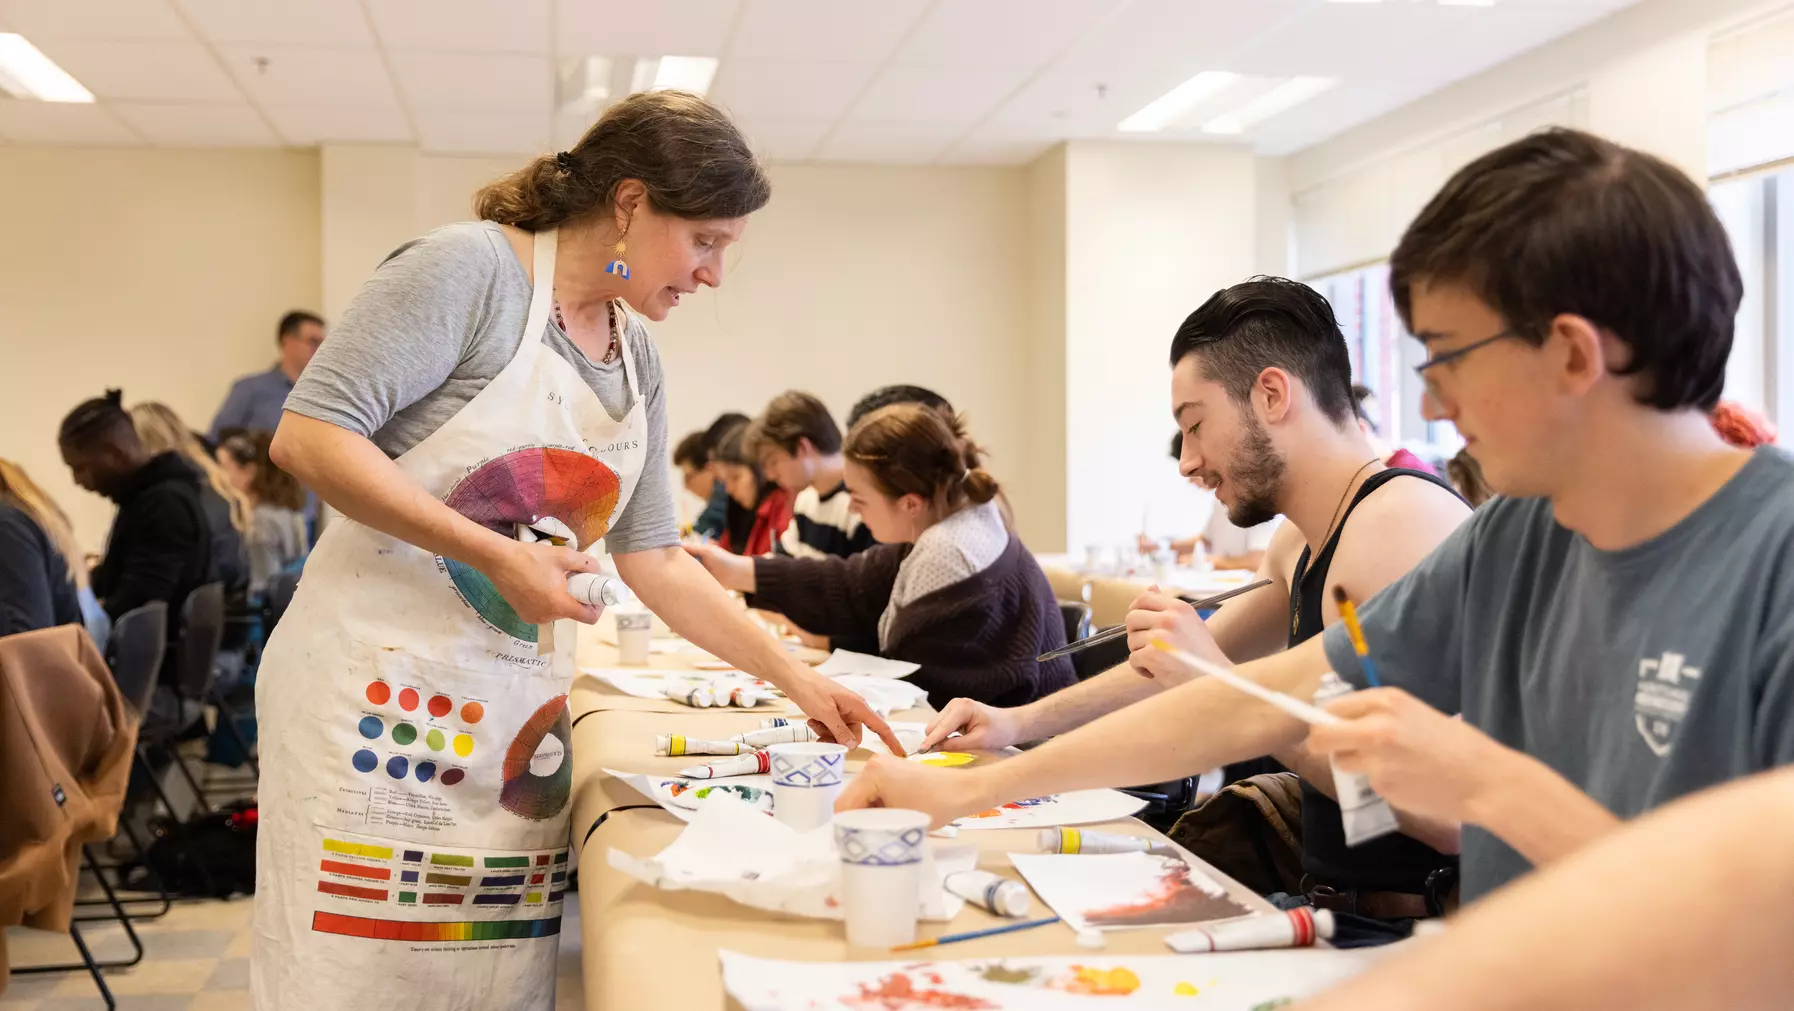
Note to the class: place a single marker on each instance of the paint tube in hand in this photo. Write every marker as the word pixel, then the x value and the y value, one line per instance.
pixel 1365 815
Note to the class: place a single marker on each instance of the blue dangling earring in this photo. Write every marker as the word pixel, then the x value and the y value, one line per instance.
pixel 617 266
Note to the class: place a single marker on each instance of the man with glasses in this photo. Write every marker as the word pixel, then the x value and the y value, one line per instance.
pixel 1617 631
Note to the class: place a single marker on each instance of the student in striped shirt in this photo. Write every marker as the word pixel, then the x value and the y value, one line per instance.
pixel 799 446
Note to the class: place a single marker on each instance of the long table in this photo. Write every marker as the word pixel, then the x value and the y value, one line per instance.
pixel 646 948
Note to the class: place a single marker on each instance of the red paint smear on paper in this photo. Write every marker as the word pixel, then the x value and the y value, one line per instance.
pixel 1013 806
pixel 897 992
pixel 1177 899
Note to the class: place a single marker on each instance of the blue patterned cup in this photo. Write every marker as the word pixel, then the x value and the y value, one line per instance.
pixel 806 779
pixel 882 851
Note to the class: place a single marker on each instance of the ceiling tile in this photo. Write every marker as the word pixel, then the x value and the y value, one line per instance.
pixel 777 139
pixel 324 124
pixel 288 22
pixel 62 123
pixel 311 75
pixel 809 29
pixel 93 19
pixel 897 143
pixel 939 95
pixel 1001 33
pixel 634 28
pixel 473 80
pixel 510 26
pixel 145 71
pixel 794 90
pixel 521 131
pixel 168 125
pixel 983 150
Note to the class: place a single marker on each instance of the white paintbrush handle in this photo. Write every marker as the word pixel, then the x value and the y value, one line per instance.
pixel 1309 714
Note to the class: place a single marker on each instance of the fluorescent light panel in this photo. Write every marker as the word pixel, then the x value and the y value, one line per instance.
pixel 1165 109
pixel 25 72
pixel 685 73
pixel 1276 101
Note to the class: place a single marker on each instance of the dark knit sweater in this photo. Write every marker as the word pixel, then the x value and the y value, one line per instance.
pixel 975 639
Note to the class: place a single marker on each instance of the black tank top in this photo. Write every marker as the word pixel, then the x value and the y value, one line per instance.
pixel 1394 863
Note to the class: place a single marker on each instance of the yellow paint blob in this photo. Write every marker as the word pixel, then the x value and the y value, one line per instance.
pixel 946 759
pixel 1186 990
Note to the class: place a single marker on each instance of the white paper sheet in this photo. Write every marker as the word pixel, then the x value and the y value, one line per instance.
pixel 1114 891
pixel 1078 807
pixel 885 695
pixel 734 850
pixel 1230 981
pixel 683 796
pixel 910 735
pixel 846 661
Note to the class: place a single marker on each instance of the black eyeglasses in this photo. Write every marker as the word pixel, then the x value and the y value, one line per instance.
pixel 1448 357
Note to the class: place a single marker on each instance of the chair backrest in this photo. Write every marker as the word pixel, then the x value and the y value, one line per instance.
pixel 202 630
pixel 281 587
pixel 1066 584
pixel 134 652
pixel 1078 621
pixel 1110 599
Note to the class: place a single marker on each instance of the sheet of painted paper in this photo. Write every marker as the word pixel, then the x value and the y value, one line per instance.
pixel 682 796
pixel 731 849
pixel 1111 891
pixel 910 735
pixel 1078 807
pixel 1231 981
pixel 846 661
pixel 651 683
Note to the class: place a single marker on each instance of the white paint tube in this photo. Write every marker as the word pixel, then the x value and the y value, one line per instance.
pixel 598 589
pixel 1065 839
pixel 990 892
pixel 1364 814
pixel 696 696
pixel 795 733
pixel 752 763
pixel 1295 928
pixel 675 745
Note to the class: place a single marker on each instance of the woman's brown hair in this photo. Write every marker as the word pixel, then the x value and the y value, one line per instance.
pixel 268 482
pixel 910 449
pixel 17 489
pixel 691 158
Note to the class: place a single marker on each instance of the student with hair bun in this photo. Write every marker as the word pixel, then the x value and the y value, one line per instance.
pixel 949 585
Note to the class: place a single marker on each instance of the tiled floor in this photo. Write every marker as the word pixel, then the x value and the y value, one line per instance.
pixel 195 959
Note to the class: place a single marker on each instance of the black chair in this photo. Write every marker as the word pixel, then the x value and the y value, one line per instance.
pixel 196 663
pixel 1078 619
pixel 281 587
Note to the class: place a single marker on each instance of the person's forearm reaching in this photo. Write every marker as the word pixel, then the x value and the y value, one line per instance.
pixel 1689 908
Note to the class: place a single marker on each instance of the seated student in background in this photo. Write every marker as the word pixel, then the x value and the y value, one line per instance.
pixel 43 577
pixel 903 393
pixel 692 456
pixel 948 586
pixel 799 447
pixel 759 510
pixel 1228 546
pixel 1261 384
pixel 160 545
pixel 276 537
pixel 1365 403
pixel 227 510
pixel 1616 628
pixel 715 517
pixel 1690 908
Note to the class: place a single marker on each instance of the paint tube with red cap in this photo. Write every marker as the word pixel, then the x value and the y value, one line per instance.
pixel 1295 928
pixel 745 765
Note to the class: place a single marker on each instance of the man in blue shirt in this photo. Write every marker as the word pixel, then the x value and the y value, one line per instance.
pixel 255 401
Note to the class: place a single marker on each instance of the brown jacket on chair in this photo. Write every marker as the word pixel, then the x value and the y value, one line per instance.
pixel 66 741
pixel 1251 831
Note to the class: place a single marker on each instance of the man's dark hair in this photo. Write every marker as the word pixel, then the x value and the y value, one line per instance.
pixel 724 422
pixel 101 419
pixel 1565 222
pixel 292 321
pixel 795 415
pixel 885 396
pixel 692 451
pixel 1270 322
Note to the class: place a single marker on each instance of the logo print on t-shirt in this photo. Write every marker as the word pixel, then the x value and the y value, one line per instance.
pixel 1662 699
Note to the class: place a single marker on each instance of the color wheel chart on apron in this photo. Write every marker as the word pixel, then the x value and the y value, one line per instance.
pixel 412 845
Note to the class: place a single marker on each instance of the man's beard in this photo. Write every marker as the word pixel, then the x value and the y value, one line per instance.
pixel 1257 477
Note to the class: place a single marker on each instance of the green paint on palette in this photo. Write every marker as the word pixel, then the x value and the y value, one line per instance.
pixel 404 733
pixel 435 740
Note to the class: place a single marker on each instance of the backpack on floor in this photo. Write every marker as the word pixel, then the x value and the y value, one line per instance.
pixel 209 856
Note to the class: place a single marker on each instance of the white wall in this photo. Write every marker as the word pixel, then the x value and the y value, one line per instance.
pixel 1151 232
pixel 159 272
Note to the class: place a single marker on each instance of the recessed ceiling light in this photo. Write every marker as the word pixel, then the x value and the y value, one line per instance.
pixel 1282 98
pixel 1163 110
pixel 25 72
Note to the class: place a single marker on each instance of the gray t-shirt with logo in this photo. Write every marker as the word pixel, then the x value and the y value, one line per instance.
pixel 1639 675
pixel 440 318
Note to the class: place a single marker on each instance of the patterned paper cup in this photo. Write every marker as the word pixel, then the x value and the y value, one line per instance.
pixel 806 779
pixel 881 873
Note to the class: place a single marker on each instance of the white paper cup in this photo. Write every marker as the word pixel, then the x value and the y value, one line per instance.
pixel 881 873
pixel 806 779
pixel 634 632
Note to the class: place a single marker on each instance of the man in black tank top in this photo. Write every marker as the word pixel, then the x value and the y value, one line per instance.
pixel 1261 389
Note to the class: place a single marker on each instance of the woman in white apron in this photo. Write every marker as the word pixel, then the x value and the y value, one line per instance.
pixel 413 842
